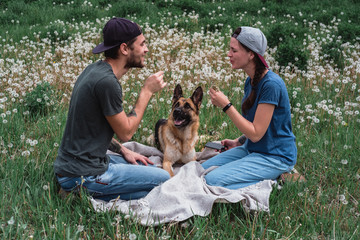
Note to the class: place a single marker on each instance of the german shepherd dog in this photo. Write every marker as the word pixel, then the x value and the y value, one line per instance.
pixel 176 136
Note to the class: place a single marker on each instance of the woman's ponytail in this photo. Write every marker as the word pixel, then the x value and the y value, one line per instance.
pixel 259 70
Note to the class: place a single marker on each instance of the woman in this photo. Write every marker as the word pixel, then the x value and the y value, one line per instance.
pixel 267 147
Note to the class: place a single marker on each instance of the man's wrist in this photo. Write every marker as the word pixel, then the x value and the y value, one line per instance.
pixel 146 91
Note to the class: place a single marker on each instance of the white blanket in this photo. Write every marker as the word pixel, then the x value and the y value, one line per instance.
pixel 186 194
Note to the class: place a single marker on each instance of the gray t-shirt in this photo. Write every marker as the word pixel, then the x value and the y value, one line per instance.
pixel 96 94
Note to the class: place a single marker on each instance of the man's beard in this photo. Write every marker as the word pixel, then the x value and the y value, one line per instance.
pixel 133 62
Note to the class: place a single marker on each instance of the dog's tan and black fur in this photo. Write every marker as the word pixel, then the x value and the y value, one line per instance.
pixel 176 136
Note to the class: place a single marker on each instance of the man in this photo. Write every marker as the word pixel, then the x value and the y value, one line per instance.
pixel 96 113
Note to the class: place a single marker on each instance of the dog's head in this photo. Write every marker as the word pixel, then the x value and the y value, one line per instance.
pixel 185 110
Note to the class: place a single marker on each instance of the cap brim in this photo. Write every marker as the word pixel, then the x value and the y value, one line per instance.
pixel 102 48
pixel 263 60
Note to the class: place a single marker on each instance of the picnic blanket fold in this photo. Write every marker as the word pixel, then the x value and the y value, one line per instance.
pixel 186 194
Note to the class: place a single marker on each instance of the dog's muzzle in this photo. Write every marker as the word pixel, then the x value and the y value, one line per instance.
pixel 181 118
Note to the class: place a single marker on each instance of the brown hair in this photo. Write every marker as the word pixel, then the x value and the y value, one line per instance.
pixel 259 70
pixel 113 52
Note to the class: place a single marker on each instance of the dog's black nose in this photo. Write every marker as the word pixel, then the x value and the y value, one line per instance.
pixel 177 110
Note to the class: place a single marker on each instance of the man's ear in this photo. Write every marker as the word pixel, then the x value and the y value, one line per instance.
pixel 124 49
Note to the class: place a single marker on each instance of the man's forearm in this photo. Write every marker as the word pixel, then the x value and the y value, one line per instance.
pixel 133 118
pixel 137 113
pixel 115 146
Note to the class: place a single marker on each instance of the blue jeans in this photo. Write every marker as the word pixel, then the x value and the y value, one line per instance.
pixel 122 178
pixel 238 168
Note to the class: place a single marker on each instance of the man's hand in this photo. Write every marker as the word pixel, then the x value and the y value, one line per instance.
pixel 133 157
pixel 155 82
pixel 124 125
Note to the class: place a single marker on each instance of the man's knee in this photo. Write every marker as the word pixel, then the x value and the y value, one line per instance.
pixel 163 176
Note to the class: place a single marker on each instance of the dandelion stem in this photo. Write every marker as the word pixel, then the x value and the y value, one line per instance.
pixel 294 231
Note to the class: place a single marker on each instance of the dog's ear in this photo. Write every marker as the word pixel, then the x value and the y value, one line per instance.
pixel 177 93
pixel 197 97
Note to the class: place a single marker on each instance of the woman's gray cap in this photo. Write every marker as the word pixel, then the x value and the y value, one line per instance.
pixel 255 40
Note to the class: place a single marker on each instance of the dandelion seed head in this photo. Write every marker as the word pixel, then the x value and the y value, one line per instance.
pixel 185 225
pixel 344 161
pixel 357 176
pixel 11 221
pixel 132 236
pixel 80 228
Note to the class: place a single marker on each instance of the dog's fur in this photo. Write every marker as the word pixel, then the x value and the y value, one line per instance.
pixel 176 136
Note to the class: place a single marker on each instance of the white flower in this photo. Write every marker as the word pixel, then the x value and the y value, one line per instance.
pixel 185 225
pixel 342 197
pixel 80 228
pixel 132 236
pixel 11 221
pixel 25 153
pixel 357 176
pixel 45 187
pixel 344 161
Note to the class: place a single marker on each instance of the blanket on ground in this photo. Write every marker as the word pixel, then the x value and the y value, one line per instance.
pixel 186 194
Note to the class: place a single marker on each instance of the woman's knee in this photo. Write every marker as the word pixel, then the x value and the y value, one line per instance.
pixel 213 179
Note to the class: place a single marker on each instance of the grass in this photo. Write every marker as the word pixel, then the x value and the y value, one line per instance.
pixel 189 41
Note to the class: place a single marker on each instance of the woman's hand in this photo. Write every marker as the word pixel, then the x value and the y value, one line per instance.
pixel 229 143
pixel 133 157
pixel 218 98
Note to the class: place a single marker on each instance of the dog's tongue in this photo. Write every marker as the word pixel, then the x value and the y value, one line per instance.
pixel 178 122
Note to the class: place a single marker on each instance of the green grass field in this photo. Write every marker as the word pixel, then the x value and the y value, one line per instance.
pixel 314 46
